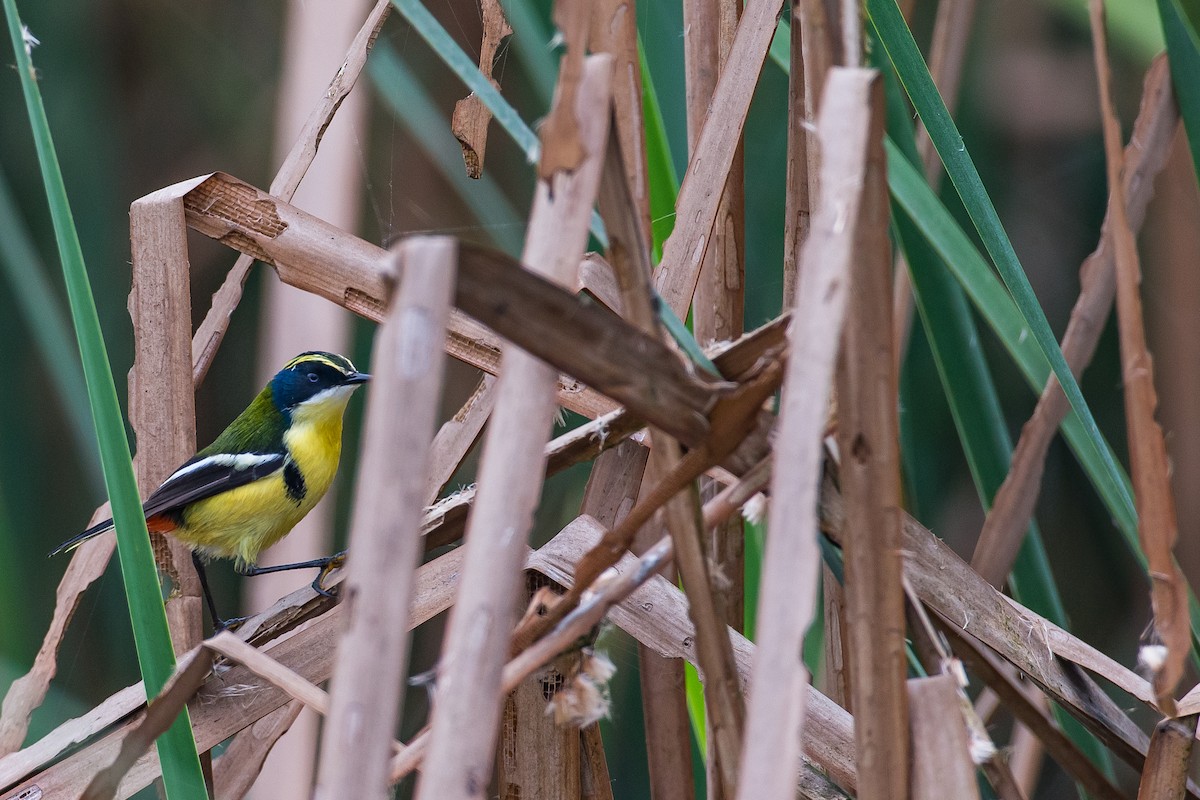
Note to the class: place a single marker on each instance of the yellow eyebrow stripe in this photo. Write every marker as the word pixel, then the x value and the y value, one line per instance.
pixel 319 359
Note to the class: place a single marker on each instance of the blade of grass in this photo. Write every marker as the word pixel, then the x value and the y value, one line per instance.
pixel 664 181
pixel 974 403
pixel 1183 54
pixel 177 749
pixel 912 192
pixel 893 32
pixel 921 206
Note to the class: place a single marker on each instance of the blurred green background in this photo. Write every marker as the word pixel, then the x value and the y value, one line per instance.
pixel 141 95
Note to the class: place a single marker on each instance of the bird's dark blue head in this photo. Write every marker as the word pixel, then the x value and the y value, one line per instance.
pixel 310 374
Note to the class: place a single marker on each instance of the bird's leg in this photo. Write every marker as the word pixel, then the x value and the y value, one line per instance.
pixel 324 564
pixel 218 623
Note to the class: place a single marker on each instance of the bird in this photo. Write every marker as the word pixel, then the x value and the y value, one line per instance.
pixel 261 476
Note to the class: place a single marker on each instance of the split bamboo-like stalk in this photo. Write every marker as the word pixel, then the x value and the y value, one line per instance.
pixel 162 399
pixel 797 201
pixel 372 654
pixel 869 444
pixel 465 720
pixel 619 477
pixel 790 581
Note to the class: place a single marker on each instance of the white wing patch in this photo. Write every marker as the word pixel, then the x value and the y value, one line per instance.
pixel 237 461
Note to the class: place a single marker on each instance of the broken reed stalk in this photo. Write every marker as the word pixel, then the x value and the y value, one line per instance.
pixel 941 757
pixel 1157 525
pixel 465 719
pixel 1033 715
pixel 1048 655
pixel 787 599
pixel 619 477
pixel 1165 776
pixel 1145 156
pixel 725 713
pixel 869 444
pixel 469 123
pixel 614 30
pixel 162 398
pixel 372 654
pixel 457 436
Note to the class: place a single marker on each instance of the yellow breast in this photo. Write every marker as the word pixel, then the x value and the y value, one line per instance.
pixel 242 522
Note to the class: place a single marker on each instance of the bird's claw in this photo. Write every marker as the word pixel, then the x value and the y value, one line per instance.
pixel 336 562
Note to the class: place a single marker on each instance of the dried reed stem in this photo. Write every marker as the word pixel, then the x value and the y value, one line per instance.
pixel 465 720
pixel 869 443
pixel 704 182
pixel 372 654
pixel 1157 525
pixel 1012 508
pixel 787 599
pixel 941 757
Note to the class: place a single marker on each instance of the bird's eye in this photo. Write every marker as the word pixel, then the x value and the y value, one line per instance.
pixel 313 377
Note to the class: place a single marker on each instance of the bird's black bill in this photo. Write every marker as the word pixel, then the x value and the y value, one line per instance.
pixel 356 377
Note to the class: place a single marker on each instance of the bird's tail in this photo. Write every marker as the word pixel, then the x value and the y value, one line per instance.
pixel 75 541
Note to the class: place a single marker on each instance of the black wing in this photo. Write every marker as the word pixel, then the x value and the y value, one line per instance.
pixel 203 476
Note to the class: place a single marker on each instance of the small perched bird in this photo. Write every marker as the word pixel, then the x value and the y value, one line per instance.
pixel 249 488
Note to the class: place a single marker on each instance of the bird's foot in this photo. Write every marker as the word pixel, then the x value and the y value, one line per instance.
pixel 229 624
pixel 334 562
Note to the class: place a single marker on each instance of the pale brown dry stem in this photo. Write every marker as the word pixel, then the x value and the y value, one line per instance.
pixel 1165 776
pixel 162 400
pixel 941 757
pixel 465 719
pixel 797 202
pixel 1157 525
pixel 869 443
pixel 703 184
pixel 788 596
pixel 372 654
pixel 1012 508
pixel 618 478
